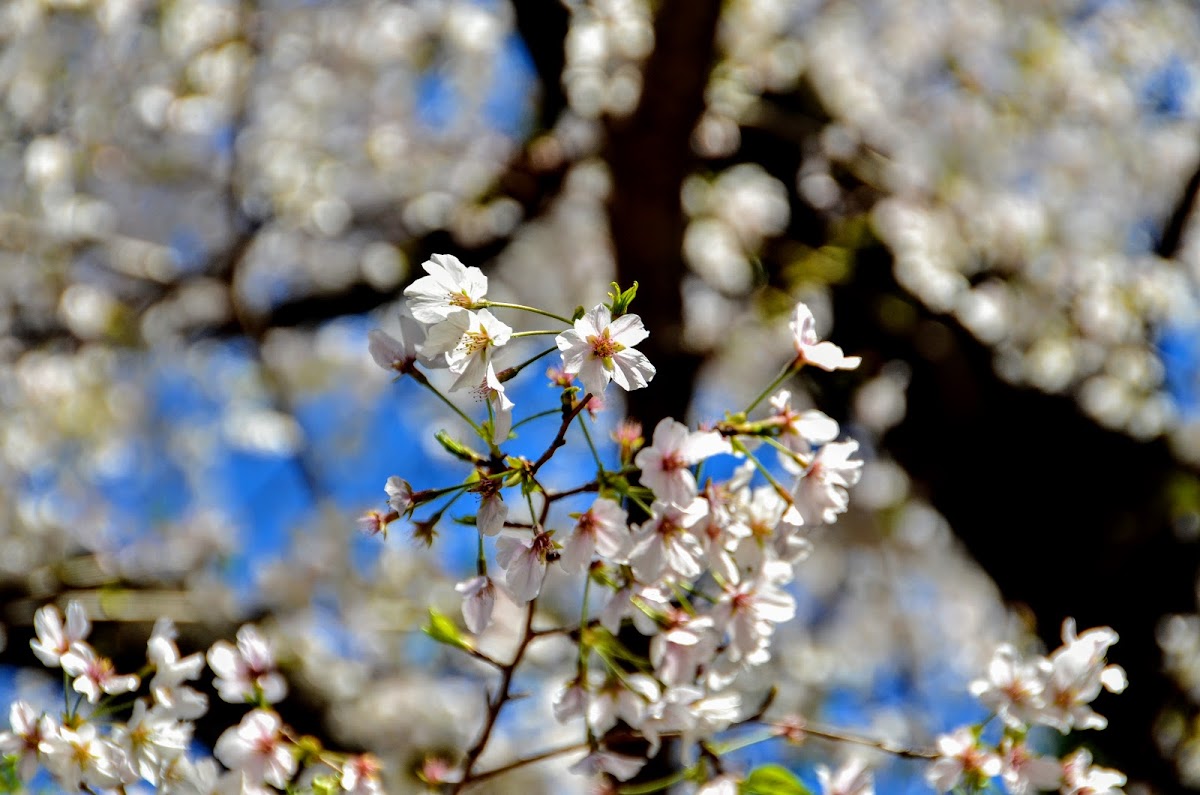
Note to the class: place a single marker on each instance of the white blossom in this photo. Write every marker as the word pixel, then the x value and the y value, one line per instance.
pixel 256 748
pixel 599 349
pixel 450 287
pixel 479 598
pixel 601 529
pixel 53 639
pixel 467 340
pixel 811 350
pixel 247 672
pixel 666 463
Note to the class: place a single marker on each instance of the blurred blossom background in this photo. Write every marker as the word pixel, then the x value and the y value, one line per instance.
pixel 205 205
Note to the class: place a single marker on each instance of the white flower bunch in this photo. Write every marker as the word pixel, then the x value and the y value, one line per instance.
pixel 88 747
pixel 699 567
pixel 1053 691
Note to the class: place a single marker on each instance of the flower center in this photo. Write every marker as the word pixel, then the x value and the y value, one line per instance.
pixel 473 341
pixel 604 346
pixel 460 299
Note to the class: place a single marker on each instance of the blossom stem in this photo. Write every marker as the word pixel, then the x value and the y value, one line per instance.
pixel 523 308
pixel 537 416
pixel 474 425
pixel 787 371
pixel 538 333
pixel 529 760
pixel 501 698
pixel 561 437
pixel 870 742
pixel 480 558
pixel 775 484
pixel 509 373
pixel 591 446
pixel 787 451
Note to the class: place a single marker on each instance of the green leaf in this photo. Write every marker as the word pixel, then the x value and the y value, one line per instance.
pixel 325 785
pixel 457 448
pixel 772 780
pixel 620 302
pixel 442 629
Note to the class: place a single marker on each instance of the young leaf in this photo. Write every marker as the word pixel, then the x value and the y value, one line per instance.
pixel 772 780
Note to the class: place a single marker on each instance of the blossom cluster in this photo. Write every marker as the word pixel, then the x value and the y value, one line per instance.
pixel 699 568
pixel 1054 691
pixel 88 747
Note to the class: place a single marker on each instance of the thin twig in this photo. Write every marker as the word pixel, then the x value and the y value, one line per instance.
pixel 497 703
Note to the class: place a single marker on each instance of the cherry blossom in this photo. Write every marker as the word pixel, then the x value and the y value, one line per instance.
pixel 398 354
pixel 28 730
pixel 53 639
pixel 801 431
pixel 467 340
pixel 665 464
pixel 1026 773
pixel 961 757
pixel 256 748
pixel 810 350
pixel 77 756
pixel 600 529
pixel 479 598
pixel 400 495
pixel 665 543
pixel 246 673
pixel 450 287
pixel 1080 777
pixel 1078 672
pixel 599 349
pixel 619 766
pixel 95 675
pixel 493 392
pixel 523 559
pixel 151 739
pixel 1013 687
pixel 821 493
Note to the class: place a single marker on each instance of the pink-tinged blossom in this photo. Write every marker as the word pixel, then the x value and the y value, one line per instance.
pixel 1078 672
pixel 1013 688
pixel 373 523
pixel 666 463
pixel 1080 777
pixel 684 645
pixel 450 287
pixel 95 675
pixel 28 730
pixel 151 739
pixel 570 702
pixel 400 495
pixel 79 756
pixel 800 431
pixel 821 494
pixel 599 349
pixel 246 673
pixel 619 766
pixel 257 749
pixel 601 529
pixel 492 390
pixel 466 341
pixel 479 599
pixel 748 611
pixel 664 542
pixel 53 639
pixel 811 350
pixel 852 778
pixel 621 699
pixel 493 512
pixel 960 756
pixel 688 710
pixel 1025 773
pixel 397 354
pixel 523 559
pixel 360 775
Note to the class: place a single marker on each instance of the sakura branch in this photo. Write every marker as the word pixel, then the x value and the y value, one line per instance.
pixel 700 567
